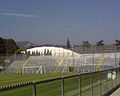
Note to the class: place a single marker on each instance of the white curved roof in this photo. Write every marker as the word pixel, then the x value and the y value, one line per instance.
pixel 53 50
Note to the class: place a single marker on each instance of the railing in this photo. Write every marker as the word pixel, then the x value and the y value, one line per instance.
pixel 56 63
pixel 101 83
pixel 96 49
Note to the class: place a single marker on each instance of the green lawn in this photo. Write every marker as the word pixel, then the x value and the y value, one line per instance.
pixel 44 89
pixel 53 88
pixel 14 79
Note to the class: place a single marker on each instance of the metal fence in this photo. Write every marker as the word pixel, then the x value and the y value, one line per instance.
pixel 100 83
pixel 59 63
pixel 96 49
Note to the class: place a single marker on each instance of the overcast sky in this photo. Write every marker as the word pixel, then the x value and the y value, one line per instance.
pixel 52 21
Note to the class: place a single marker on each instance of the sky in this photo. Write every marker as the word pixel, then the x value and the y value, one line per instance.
pixel 53 21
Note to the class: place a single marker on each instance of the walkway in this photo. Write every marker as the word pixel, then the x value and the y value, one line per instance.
pixel 116 93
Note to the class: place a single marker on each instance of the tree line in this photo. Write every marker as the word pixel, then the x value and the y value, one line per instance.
pixel 87 43
pixel 99 43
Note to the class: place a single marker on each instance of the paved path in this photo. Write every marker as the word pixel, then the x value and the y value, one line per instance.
pixel 116 93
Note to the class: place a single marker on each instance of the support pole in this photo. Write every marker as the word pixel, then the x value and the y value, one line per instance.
pixel 100 84
pixel 79 79
pixel 34 90
pixel 91 82
pixel 93 62
pixel 62 87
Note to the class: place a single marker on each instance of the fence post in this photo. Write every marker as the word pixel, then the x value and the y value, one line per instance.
pixel 91 82
pixel 115 59
pixel 112 79
pixel 100 84
pixel 2 70
pixel 107 83
pixel 34 89
pixel 62 86
pixel 79 79
pixel 93 62
pixel 119 75
pixel 116 76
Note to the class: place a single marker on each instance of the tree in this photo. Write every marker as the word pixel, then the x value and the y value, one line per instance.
pixel 117 42
pixel 7 46
pixel 2 52
pixel 10 46
pixel 100 43
pixel 2 47
pixel 68 43
pixel 86 44
pixel 18 51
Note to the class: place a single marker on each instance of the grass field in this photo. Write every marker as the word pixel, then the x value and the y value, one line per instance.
pixel 14 79
pixel 43 89
pixel 53 88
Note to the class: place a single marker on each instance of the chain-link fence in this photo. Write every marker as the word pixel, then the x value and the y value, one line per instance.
pixel 102 77
pixel 59 63
pixel 96 49
pixel 100 83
